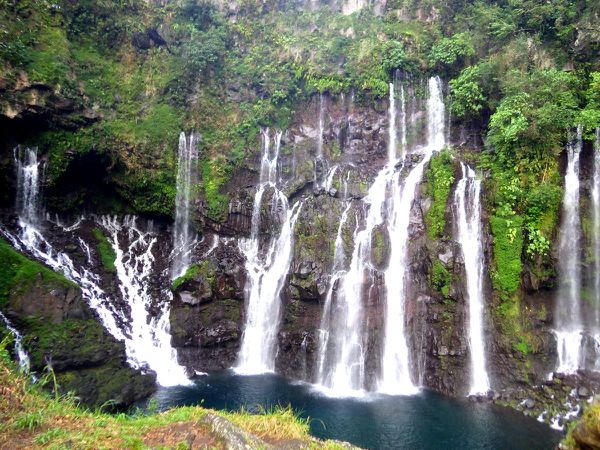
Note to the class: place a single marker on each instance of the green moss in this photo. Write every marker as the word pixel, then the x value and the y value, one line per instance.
pixel 106 251
pixel 508 246
pixel 49 59
pixel 17 273
pixel 203 269
pixel 440 177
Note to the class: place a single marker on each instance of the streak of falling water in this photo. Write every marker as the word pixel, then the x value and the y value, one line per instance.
pixel 266 268
pixel 22 356
pixel 32 240
pixel 568 315
pixel 468 211
pixel 186 178
pixel 396 368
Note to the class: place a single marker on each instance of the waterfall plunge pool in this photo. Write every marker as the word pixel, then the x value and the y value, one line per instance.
pixel 423 421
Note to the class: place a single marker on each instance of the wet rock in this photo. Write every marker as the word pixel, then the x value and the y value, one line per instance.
pixel 583 392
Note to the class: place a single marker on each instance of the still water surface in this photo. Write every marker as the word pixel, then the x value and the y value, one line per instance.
pixel 424 421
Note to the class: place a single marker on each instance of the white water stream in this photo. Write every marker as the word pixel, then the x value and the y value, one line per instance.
pixel 267 265
pixel 568 319
pixel 147 342
pixel 186 179
pixel 468 209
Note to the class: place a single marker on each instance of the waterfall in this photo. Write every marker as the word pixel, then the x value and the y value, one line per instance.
pixel 28 186
pixel 596 236
pixel 395 376
pixel 22 356
pixel 568 314
pixel 342 344
pixel 327 318
pixel 186 178
pixel 320 161
pixel 267 267
pixel 111 316
pixel 149 341
pixel 468 209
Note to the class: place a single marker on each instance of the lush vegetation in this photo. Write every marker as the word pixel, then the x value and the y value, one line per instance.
pixel 33 418
pixel 439 180
pixel 148 72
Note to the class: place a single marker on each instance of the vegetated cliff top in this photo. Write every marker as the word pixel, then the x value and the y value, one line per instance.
pixel 31 418
pixel 121 79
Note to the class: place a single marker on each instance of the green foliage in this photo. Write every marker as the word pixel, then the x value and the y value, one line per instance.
pixel 589 116
pixel 467 93
pixel 508 245
pixel 204 50
pixel 195 270
pixel 532 120
pixel 214 175
pixel 105 250
pixel 440 278
pixel 395 57
pixel 451 50
pixel 440 177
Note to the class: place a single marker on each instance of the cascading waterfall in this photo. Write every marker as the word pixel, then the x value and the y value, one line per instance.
pixel 21 354
pixel 468 210
pixel 186 178
pixel 341 359
pixel 395 375
pixel 568 315
pixel 266 269
pixel 149 340
pixel 32 240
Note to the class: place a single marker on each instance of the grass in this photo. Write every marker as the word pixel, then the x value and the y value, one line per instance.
pixel 32 418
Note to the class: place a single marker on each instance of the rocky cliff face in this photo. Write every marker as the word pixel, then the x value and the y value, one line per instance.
pixel 63 333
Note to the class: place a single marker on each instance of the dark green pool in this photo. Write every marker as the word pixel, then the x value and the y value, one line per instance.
pixel 423 421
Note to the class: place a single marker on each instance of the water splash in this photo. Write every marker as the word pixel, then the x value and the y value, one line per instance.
pixel 468 210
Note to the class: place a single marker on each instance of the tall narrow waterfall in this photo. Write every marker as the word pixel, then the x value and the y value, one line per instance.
pixel 468 211
pixel 568 315
pixel 28 184
pixel 110 312
pixel 596 235
pixel 320 163
pixel 266 266
pixel 186 178
pixel 396 376
pixel 329 315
